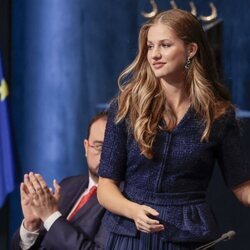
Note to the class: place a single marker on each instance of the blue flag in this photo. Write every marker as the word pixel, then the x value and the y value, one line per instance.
pixel 6 157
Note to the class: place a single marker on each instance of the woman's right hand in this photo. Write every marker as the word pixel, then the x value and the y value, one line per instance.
pixel 118 204
pixel 141 216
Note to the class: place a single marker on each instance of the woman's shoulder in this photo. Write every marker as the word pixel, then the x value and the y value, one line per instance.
pixel 225 122
pixel 112 111
pixel 112 107
pixel 228 117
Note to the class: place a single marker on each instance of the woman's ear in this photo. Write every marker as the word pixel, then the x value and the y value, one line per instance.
pixel 192 49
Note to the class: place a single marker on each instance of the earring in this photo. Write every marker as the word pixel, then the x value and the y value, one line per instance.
pixel 188 62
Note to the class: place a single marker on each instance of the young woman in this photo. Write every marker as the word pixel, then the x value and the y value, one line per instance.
pixel 171 121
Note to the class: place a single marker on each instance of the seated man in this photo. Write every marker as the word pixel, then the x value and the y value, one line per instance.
pixel 69 218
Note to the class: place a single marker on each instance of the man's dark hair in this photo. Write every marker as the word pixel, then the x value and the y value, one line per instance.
pixel 101 115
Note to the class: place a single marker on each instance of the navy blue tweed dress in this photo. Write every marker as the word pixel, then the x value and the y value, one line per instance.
pixel 174 182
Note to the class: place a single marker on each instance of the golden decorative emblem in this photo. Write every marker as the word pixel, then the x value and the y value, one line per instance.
pixel 193 10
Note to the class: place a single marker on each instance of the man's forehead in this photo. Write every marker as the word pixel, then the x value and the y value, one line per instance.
pixel 97 129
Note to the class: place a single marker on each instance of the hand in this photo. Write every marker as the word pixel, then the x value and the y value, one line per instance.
pixel 31 221
pixel 44 202
pixel 143 222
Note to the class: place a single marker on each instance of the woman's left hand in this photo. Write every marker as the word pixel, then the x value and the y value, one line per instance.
pixel 242 192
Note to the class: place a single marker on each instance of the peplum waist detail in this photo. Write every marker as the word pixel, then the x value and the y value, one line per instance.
pixel 185 216
pixel 163 199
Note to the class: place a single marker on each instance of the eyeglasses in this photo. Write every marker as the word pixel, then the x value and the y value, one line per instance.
pixel 96 147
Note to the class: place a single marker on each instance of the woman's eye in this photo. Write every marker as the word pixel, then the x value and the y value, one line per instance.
pixel 150 46
pixel 166 45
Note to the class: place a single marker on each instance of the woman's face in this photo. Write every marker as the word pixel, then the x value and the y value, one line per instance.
pixel 167 54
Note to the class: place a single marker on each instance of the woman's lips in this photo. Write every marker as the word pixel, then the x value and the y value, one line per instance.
pixel 158 65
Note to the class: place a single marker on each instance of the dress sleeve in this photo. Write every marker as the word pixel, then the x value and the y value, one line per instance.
pixel 114 152
pixel 232 157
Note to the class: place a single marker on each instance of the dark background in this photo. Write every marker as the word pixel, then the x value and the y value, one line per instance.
pixel 61 61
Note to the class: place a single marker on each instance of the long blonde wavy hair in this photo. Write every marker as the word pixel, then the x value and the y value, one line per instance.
pixel 141 99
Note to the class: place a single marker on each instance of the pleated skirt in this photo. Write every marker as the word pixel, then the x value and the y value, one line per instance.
pixel 147 242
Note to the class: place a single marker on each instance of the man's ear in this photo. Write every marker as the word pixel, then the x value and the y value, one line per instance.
pixel 192 49
pixel 85 146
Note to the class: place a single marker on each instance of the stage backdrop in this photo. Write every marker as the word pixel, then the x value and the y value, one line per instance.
pixel 66 57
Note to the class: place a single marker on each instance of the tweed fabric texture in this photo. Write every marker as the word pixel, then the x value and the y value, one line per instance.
pixel 175 181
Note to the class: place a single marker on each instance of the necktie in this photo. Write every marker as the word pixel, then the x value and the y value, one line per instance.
pixel 83 201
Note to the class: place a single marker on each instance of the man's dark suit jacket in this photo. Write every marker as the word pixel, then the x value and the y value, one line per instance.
pixel 84 231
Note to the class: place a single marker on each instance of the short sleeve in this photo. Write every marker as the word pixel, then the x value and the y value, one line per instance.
pixel 114 152
pixel 231 154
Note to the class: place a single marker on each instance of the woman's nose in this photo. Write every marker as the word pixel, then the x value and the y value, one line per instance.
pixel 156 53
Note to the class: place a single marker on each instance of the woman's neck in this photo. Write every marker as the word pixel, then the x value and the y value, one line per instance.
pixel 176 94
